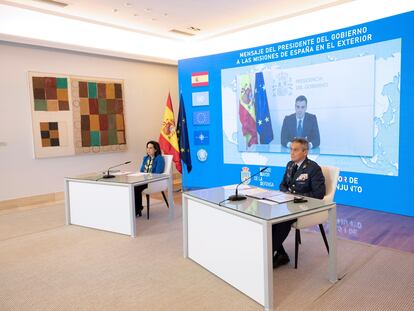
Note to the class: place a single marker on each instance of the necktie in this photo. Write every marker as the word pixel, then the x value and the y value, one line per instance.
pixel 294 170
pixel 299 130
pixel 292 176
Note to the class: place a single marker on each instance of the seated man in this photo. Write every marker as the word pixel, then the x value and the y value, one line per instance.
pixel 302 177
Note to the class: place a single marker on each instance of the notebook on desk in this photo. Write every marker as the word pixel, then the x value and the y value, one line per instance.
pixel 271 195
pixel 137 174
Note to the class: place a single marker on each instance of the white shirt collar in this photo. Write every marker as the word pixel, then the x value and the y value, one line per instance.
pixel 300 163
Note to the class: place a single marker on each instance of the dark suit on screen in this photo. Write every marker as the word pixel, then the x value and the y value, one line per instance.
pixel 310 129
pixel 308 181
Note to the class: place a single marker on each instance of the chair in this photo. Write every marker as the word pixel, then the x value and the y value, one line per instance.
pixel 159 186
pixel 331 175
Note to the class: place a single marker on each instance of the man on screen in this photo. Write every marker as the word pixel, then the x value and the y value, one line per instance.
pixel 303 177
pixel 300 124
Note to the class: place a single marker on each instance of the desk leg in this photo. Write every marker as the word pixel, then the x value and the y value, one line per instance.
pixel 333 276
pixel 170 198
pixel 132 211
pixel 67 203
pixel 185 226
pixel 268 266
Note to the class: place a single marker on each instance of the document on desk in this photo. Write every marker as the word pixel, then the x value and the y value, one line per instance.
pixel 138 174
pixel 271 195
pixel 254 192
pixel 281 198
pixel 260 193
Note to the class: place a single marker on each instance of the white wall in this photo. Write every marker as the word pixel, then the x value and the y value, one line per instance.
pixel 146 86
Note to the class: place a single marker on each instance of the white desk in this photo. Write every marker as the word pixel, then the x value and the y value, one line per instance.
pixel 233 240
pixel 108 204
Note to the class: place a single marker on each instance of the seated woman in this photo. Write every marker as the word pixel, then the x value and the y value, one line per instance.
pixel 153 162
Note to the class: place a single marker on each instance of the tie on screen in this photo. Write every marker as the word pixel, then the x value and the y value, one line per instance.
pixel 299 129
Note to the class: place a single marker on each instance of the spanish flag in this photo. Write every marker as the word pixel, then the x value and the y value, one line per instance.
pixel 247 113
pixel 199 78
pixel 168 136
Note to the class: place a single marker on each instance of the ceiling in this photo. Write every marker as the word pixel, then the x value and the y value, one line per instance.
pixel 195 19
pixel 141 29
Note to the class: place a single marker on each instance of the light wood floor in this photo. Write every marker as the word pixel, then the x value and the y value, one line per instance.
pixel 376 228
pixel 353 223
pixel 45 265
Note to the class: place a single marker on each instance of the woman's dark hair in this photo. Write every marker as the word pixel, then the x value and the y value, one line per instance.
pixel 156 146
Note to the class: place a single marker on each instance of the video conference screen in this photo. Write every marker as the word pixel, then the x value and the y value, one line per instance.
pixel 337 93
pixel 348 91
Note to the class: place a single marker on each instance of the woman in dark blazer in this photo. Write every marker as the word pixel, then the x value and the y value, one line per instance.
pixel 153 162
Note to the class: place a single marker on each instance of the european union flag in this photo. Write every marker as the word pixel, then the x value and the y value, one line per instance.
pixel 182 133
pixel 201 117
pixel 201 138
pixel 263 121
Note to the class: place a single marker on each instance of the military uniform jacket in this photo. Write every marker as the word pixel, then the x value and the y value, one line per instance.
pixel 308 180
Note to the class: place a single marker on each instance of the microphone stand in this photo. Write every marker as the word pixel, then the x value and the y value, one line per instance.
pixel 239 197
pixel 107 175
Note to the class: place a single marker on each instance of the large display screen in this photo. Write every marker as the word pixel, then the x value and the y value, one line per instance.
pixel 348 91
pixel 346 100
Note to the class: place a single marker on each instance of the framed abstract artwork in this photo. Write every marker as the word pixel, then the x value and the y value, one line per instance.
pixel 76 115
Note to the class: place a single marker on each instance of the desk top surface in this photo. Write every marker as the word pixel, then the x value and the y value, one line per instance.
pixel 262 209
pixel 120 178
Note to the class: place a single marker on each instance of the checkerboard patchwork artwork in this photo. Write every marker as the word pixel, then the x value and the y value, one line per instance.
pixel 76 115
pixel 49 132
pixel 50 93
pixel 100 109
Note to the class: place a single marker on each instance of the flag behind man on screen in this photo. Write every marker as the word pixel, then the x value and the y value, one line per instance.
pixel 263 121
pixel 247 113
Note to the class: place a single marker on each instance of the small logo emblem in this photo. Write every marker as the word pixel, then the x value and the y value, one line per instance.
pixel 282 85
pixel 245 174
pixel 202 155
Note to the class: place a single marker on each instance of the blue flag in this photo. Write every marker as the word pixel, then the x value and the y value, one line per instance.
pixel 200 99
pixel 201 137
pixel 263 121
pixel 201 117
pixel 182 134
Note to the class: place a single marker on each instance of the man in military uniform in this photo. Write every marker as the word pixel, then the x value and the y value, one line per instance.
pixel 303 177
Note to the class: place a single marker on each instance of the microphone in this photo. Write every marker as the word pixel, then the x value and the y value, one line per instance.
pixel 107 175
pixel 240 197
